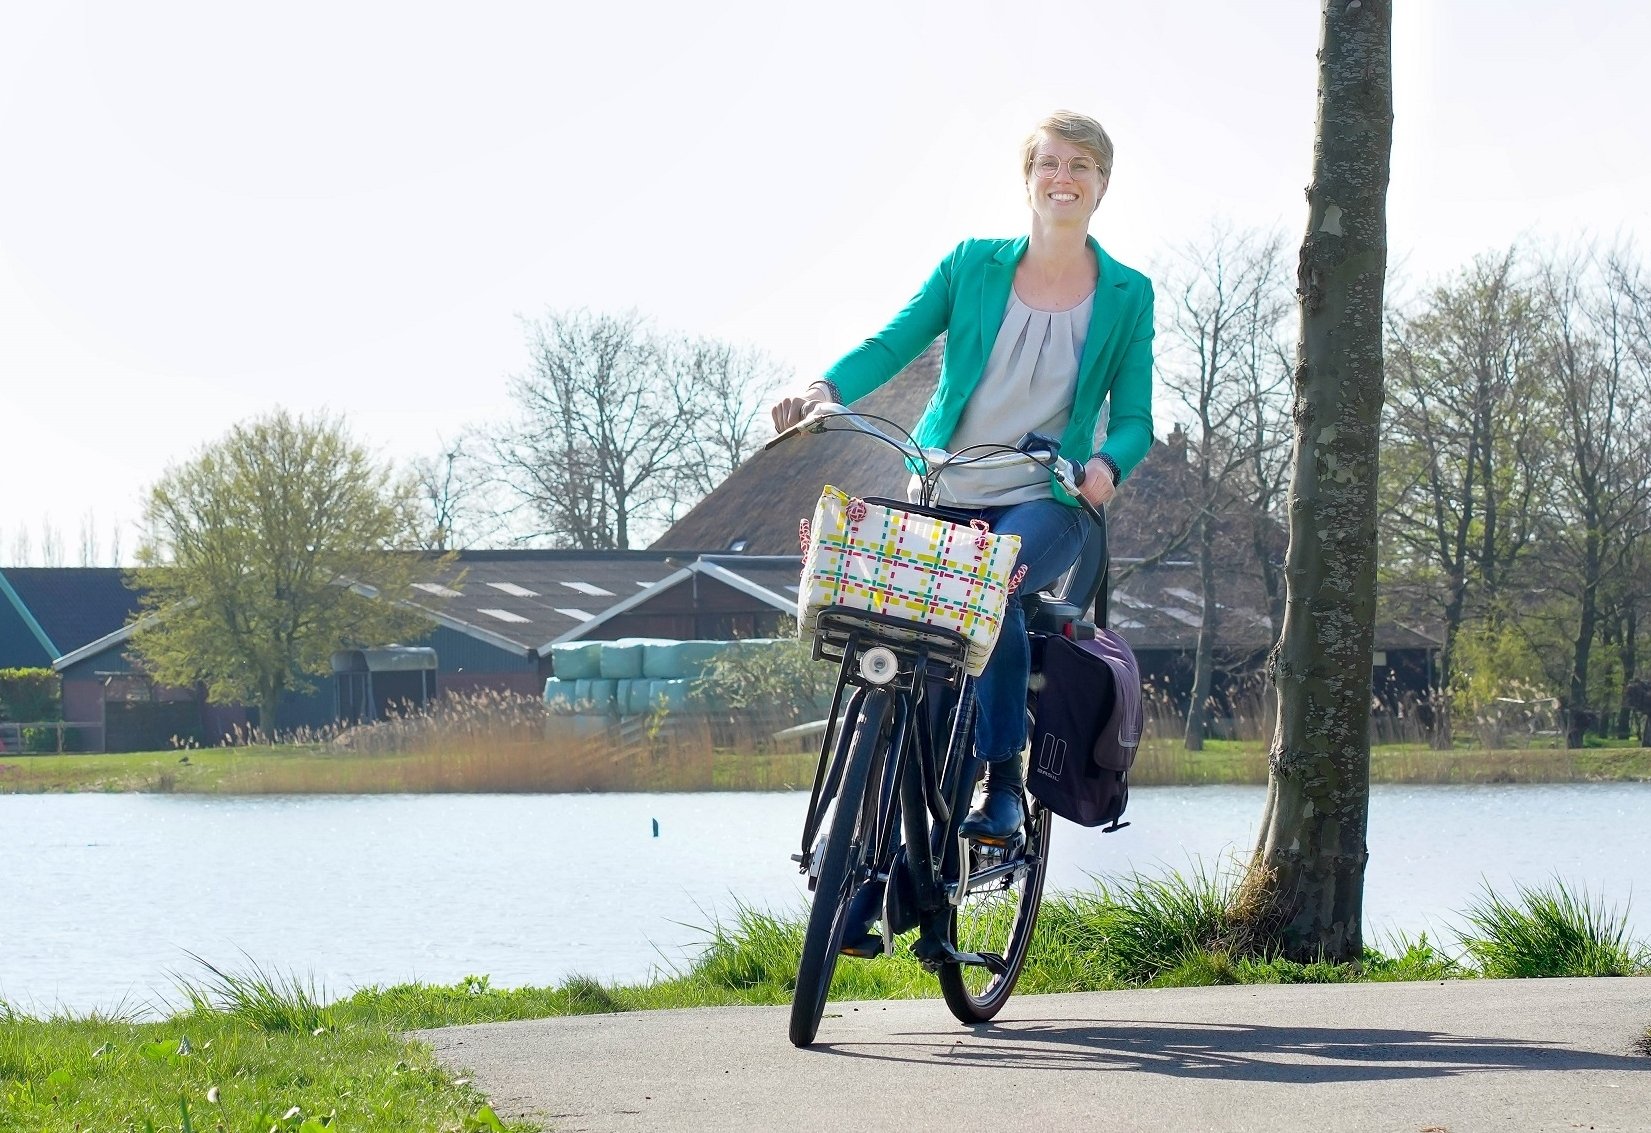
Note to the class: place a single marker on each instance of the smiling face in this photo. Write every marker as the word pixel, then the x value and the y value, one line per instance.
pixel 1065 195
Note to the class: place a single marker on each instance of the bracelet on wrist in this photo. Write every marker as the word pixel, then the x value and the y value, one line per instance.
pixel 832 392
pixel 1112 467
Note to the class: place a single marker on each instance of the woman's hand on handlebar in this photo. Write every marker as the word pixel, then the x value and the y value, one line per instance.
pixel 791 409
pixel 1097 486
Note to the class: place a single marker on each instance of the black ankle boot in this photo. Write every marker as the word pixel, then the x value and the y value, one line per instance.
pixel 1002 812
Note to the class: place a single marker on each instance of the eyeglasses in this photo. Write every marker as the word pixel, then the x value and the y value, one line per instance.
pixel 1046 165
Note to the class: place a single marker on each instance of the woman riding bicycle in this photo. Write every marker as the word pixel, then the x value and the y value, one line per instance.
pixel 1041 331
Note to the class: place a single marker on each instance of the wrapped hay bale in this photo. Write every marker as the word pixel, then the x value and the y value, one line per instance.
pixel 576 660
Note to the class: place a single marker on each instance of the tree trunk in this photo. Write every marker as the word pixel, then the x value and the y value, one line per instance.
pixel 1577 714
pixel 1629 655
pixel 269 707
pixel 1204 653
pixel 1444 730
pixel 1303 893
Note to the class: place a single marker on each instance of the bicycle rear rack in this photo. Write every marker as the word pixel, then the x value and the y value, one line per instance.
pixel 843 631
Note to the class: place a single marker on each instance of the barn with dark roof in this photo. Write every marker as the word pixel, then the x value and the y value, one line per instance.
pixel 46 612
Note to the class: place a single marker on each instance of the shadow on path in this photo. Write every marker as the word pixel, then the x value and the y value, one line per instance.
pixel 1237 1052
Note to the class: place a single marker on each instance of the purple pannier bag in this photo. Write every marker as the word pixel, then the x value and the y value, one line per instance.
pixel 1087 730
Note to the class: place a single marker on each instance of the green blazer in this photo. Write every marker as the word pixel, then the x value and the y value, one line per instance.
pixel 966 297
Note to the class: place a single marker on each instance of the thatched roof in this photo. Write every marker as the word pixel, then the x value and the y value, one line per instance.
pixel 763 500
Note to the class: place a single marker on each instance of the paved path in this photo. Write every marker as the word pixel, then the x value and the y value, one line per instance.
pixel 1459 1056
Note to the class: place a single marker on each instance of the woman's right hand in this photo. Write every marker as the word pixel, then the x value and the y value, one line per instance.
pixel 791 409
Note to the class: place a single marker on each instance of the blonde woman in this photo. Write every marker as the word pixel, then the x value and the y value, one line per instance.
pixel 1044 333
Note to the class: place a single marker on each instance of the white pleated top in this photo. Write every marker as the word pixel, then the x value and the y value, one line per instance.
pixel 1028 386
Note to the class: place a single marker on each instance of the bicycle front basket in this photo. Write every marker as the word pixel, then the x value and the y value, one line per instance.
pixel 870 556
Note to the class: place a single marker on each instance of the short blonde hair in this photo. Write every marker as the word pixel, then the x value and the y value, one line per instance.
pixel 1078 129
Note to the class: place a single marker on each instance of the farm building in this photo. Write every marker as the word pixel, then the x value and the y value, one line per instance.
pixel 1156 604
pixel 727 569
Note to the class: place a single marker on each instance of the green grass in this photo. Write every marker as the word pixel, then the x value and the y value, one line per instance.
pixel 219 1070
pixel 218 770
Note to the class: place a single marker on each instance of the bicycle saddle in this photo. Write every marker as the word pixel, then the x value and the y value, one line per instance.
pixel 1085 585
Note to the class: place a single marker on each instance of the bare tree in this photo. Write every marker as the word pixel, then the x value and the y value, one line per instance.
pixel 51 544
pixel 597 431
pixel 1303 893
pixel 1220 361
pixel 89 551
pixel 722 390
pixel 619 426
pixel 455 490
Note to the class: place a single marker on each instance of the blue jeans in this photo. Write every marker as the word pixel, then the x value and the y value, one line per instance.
pixel 1051 537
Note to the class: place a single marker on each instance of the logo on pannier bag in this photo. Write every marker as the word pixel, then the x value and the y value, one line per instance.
pixel 1052 755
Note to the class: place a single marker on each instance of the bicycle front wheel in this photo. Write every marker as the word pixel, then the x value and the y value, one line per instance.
pixel 998 915
pixel 842 869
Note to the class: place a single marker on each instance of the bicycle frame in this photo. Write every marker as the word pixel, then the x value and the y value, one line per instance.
pixel 931 782
pixel 896 775
pixel 843 635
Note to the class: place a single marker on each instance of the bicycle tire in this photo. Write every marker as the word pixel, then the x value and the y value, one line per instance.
pixel 1002 921
pixel 844 850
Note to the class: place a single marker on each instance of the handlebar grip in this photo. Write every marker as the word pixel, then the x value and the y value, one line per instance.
pixel 783 435
pixel 1079 474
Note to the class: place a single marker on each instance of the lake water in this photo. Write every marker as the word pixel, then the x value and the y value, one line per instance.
pixel 102 896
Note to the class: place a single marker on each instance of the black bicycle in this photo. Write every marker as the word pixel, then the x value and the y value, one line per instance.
pixel 897 774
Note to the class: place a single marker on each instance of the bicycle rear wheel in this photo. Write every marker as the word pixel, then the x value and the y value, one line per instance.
pixel 999 918
pixel 842 870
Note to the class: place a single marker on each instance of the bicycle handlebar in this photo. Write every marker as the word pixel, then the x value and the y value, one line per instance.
pixel 1033 448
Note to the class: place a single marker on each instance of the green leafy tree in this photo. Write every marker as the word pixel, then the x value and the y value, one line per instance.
pixel 1465 444
pixel 1599 365
pixel 273 547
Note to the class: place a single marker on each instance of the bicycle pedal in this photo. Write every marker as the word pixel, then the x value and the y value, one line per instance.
pixel 865 948
pixel 1000 847
pixel 934 952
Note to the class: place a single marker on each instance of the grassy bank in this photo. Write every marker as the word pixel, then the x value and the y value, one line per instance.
pixel 257 1051
pixel 512 764
pixel 1166 762
pixel 314 769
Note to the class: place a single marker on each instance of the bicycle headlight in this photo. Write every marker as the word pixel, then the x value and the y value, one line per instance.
pixel 878 665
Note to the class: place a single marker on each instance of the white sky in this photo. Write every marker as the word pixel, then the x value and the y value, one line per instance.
pixel 210 209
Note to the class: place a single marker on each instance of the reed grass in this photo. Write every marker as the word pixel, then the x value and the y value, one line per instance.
pixel 490 741
pixel 1553 929
pixel 265 1000
pixel 685 759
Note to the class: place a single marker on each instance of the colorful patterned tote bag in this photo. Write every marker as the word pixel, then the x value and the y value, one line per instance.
pixel 871 556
